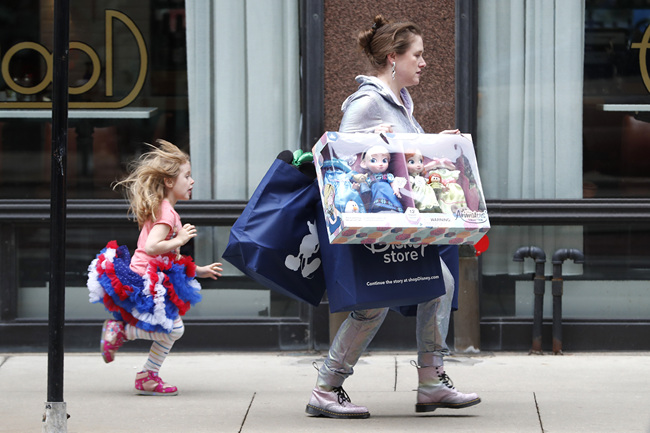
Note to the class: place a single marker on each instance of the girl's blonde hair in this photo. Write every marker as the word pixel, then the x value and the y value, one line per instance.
pixel 145 185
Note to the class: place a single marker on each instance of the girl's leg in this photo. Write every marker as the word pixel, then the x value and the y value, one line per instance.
pixel 434 386
pixel 328 397
pixel 147 381
pixel 113 337
pixel 162 342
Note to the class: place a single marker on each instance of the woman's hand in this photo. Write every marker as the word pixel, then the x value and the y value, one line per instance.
pixel 384 127
pixel 213 271
pixel 450 131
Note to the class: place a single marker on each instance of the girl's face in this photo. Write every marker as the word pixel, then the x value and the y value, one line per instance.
pixel 181 186
pixel 415 164
pixel 377 163
pixel 409 65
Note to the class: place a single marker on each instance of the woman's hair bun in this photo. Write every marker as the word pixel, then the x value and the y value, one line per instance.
pixel 379 21
pixel 365 36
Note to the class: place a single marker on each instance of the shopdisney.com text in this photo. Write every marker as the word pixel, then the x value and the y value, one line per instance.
pixel 408 280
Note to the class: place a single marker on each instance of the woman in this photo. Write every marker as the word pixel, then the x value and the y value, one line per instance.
pixel 382 104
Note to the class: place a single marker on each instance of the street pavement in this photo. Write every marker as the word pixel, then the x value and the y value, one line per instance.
pixel 264 392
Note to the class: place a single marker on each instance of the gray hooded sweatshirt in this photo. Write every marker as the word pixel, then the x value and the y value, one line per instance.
pixel 373 104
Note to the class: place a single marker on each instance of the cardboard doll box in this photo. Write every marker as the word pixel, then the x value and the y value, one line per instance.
pixel 400 188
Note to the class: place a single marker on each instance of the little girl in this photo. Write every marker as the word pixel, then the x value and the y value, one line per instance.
pixel 149 293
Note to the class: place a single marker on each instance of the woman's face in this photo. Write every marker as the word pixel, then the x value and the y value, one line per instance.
pixel 409 65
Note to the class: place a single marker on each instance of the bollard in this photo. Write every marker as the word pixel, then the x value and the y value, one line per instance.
pixel 55 418
pixel 558 289
pixel 538 289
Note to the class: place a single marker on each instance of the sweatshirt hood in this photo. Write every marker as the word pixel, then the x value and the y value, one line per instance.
pixel 370 84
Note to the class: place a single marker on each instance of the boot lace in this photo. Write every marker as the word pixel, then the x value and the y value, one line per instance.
pixel 446 380
pixel 341 394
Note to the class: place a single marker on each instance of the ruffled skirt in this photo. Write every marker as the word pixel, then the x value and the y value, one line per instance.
pixel 151 302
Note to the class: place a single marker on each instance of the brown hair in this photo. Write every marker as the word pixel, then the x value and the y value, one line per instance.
pixel 385 37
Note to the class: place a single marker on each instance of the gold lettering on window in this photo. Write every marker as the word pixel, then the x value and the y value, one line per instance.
pixel 110 17
pixel 643 47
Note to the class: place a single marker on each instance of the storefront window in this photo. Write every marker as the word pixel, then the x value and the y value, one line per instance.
pixel 138 71
pixel 561 116
pixel 128 86
pixel 616 99
pixel 529 135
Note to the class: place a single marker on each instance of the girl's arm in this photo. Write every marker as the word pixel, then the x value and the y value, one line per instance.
pixel 158 244
pixel 213 271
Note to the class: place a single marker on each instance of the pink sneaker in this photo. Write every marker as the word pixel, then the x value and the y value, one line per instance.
pixel 112 339
pixel 149 383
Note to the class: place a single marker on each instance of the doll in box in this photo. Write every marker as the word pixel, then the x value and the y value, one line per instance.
pixel 467 181
pixel 443 178
pixel 331 213
pixel 338 173
pixel 378 188
pixel 423 195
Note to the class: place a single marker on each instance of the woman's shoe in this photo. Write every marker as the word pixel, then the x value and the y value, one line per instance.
pixel 334 404
pixel 436 390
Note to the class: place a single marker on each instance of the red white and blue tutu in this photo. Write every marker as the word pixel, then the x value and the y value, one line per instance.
pixel 151 302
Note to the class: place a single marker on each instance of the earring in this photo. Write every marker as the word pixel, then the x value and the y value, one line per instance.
pixel 393 72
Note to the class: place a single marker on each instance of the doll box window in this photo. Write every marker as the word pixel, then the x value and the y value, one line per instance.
pixel 400 188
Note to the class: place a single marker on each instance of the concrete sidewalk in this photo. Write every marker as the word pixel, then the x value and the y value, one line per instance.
pixel 267 392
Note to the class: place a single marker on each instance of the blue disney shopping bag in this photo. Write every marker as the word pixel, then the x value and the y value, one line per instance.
pixel 361 276
pixel 274 241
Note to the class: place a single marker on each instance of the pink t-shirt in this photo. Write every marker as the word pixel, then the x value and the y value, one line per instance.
pixel 167 216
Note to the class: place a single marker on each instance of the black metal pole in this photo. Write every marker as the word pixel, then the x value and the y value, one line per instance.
pixel 466 65
pixel 538 311
pixel 538 288
pixel 58 200
pixel 312 61
pixel 558 290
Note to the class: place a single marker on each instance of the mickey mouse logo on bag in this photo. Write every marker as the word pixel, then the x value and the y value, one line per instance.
pixel 307 259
